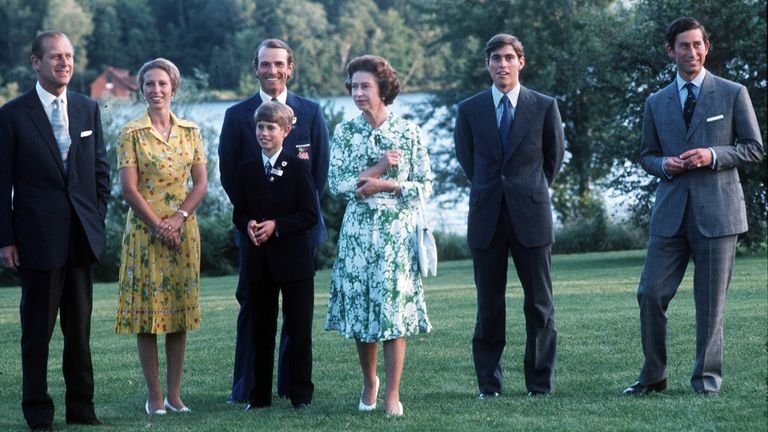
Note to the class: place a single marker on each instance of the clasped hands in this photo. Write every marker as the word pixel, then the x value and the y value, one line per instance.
pixel 368 182
pixel 260 232
pixel 167 230
pixel 691 159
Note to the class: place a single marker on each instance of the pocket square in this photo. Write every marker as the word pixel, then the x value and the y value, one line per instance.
pixel 86 133
pixel 717 117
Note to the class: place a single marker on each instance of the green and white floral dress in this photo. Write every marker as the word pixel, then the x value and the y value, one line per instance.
pixel 376 288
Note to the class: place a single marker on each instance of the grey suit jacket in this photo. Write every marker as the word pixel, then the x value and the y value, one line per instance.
pixel 522 177
pixel 723 120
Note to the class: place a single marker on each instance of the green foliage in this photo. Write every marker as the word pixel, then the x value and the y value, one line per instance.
pixel 451 247
pixel 599 353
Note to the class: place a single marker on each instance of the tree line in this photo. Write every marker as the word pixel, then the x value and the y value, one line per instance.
pixel 599 58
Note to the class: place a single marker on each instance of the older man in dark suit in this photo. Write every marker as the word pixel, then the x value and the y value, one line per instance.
pixel 509 141
pixel 308 140
pixel 696 132
pixel 54 186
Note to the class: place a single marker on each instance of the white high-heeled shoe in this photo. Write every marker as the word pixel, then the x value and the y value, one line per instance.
pixel 172 408
pixel 155 412
pixel 362 406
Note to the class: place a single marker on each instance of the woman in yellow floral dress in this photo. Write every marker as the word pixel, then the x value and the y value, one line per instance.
pixel 160 259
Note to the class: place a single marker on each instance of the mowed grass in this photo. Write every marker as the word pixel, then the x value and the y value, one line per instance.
pixel 598 355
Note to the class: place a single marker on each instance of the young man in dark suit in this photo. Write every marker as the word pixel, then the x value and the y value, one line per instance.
pixel 54 187
pixel 509 141
pixel 275 213
pixel 273 66
pixel 696 132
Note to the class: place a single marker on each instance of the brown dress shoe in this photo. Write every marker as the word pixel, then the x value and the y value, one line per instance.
pixel 638 389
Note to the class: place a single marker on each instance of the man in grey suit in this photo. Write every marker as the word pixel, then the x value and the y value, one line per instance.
pixel 696 131
pixel 509 141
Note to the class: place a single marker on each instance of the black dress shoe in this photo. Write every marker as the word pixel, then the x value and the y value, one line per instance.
pixel 638 389
pixel 486 396
pixel 255 407
pixel 536 394
pixel 42 428
pixel 302 406
pixel 92 421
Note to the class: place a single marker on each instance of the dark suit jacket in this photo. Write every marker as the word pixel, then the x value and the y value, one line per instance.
pixel 724 120
pixel 522 177
pixel 308 140
pixel 286 198
pixel 39 217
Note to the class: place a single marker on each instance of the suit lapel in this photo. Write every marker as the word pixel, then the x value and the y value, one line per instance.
pixel 703 103
pixel 525 102
pixel 486 117
pixel 75 115
pixel 43 124
pixel 672 103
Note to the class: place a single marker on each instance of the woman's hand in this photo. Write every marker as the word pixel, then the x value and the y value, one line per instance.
pixel 367 186
pixel 389 159
pixel 167 230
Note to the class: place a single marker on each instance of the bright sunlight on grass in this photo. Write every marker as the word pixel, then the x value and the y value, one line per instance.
pixel 598 355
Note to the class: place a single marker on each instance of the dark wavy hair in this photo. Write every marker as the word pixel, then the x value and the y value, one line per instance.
pixel 386 76
pixel 682 25
pixel 501 40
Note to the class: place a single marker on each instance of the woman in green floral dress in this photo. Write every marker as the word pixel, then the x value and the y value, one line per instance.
pixel 159 283
pixel 379 164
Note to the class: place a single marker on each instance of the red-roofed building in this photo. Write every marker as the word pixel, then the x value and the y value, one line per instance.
pixel 114 83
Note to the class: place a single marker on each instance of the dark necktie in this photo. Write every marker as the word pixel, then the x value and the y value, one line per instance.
pixel 267 169
pixel 505 125
pixel 60 132
pixel 689 106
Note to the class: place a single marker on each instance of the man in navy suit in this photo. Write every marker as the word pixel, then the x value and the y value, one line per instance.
pixel 509 141
pixel 696 132
pixel 54 187
pixel 308 140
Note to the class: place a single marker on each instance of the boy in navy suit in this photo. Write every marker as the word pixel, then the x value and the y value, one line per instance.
pixel 275 209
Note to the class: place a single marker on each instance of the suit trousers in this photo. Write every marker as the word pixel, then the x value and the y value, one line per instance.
pixel 67 291
pixel 665 266
pixel 298 304
pixel 533 269
pixel 242 377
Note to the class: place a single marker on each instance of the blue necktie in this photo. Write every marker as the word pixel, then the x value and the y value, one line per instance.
pixel 505 125
pixel 267 169
pixel 60 131
pixel 689 106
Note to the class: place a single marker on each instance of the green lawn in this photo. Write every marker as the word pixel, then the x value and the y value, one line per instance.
pixel 598 355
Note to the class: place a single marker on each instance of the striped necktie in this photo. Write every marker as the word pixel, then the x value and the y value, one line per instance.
pixel 60 130
pixel 267 169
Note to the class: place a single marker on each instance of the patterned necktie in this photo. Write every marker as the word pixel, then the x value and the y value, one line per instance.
pixel 689 106
pixel 267 169
pixel 505 125
pixel 60 131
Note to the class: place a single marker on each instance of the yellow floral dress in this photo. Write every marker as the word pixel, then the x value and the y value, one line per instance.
pixel 159 289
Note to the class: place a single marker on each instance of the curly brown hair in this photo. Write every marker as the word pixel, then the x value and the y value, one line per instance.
pixel 385 74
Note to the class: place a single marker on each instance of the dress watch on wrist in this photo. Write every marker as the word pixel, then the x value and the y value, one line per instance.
pixel 183 213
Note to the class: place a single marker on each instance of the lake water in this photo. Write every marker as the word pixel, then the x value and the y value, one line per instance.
pixel 211 115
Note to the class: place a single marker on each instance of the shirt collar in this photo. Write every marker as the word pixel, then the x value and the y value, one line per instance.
pixel 47 98
pixel 272 160
pixel 282 97
pixel 512 95
pixel 696 81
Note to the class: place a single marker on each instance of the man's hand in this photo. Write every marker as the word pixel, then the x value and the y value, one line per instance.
pixel 697 158
pixel 260 232
pixel 10 256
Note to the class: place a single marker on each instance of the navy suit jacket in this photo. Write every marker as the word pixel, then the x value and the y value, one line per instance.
pixel 38 199
pixel 724 120
pixel 308 140
pixel 522 177
pixel 286 197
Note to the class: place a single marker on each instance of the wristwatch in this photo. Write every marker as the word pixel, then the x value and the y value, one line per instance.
pixel 183 213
